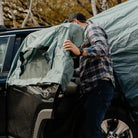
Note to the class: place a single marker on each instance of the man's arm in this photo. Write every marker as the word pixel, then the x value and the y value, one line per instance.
pixel 98 41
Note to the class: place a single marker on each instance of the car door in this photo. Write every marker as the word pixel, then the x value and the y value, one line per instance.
pixel 6 48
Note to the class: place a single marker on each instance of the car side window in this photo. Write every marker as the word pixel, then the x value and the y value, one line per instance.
pixel 3 47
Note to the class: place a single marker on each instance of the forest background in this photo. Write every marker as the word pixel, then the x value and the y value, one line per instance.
pixel 29 13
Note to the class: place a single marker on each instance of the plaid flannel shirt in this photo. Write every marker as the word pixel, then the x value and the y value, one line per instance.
pixel 97 64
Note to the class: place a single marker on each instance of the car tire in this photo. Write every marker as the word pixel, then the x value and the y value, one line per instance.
pixel 117 124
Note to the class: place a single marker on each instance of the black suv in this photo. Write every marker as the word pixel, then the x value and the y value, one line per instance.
pixel 10 41
pixel 41 109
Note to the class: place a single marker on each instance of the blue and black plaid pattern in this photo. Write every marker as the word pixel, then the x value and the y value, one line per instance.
pixel 97 64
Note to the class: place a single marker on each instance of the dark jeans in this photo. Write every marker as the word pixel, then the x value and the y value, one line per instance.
pixel 96 103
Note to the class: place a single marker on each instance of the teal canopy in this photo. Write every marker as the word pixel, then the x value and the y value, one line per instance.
pixel 121 25
pixel 42 59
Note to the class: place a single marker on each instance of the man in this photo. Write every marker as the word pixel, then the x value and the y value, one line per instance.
pixel 96 74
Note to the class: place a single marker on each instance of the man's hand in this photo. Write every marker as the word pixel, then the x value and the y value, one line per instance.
pixel 69 46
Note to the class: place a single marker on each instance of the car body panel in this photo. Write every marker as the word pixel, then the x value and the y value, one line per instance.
pixel 24 105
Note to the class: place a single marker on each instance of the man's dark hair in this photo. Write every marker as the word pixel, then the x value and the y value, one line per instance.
pixel 79 16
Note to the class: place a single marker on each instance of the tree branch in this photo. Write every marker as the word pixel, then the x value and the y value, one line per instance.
pixel 84 7
pixel 14 18
pixel 31 15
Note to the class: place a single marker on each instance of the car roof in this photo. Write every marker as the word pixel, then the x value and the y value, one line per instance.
pixel 5 31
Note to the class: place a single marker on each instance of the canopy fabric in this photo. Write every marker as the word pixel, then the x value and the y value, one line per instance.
pixel 121 25
pixel 42 59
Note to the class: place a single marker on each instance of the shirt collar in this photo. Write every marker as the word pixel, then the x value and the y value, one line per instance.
pixel 85 27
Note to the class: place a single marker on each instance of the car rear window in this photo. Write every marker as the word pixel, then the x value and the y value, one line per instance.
pixel 3 47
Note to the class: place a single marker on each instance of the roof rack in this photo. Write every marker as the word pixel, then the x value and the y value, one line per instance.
pixel 3 28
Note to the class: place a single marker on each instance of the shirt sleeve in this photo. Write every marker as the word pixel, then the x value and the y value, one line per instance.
pixel 98 41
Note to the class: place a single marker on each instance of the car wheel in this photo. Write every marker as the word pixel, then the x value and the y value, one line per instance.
pixel 118 125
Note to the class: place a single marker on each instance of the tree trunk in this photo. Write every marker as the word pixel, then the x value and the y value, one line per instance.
pixel 1 14
pixel 93 5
